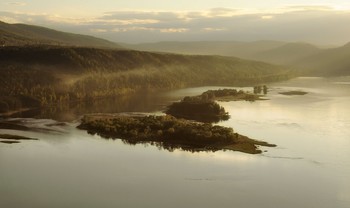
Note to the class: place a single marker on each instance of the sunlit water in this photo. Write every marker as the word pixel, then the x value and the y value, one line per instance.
pixel 309 168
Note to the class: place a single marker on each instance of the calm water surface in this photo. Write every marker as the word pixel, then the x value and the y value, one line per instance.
pixel 309 168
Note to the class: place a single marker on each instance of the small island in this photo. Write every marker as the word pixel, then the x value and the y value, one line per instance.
pixel 12 139
pixel 204 107
pixel 197 109
pixel 229 95
pixel 293 92
pixel 169 133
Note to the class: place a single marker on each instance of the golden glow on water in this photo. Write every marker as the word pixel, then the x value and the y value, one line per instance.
pixel 308 168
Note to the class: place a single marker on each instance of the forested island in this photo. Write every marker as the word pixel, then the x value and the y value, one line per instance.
pixel 204 107
pixel 198 110
pixel 293 92
pixel 174 131
pixel 169 133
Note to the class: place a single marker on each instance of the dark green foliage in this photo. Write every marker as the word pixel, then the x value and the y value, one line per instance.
pixel 203 107
pixel 12 103
pixel 260 89
pixel 4 106
pixel 199 109
pixel 52 74
pixel 230 95
pixel 165 129
pixel 169 133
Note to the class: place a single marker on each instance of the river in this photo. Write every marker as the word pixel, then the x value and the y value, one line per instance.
pixel 67 167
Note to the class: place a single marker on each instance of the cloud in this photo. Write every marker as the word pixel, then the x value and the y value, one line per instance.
pixel 210 29
pixel 162 30
pixel 97 30
pixel 295 23
pixel 309 8
pixel 123 21
pixel 16 3
pixel 222 12
pixel 173 30
pixel 7 19
pixel 267 17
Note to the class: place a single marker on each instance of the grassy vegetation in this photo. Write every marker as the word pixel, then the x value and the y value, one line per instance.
pixel 48 75
pixel 169 133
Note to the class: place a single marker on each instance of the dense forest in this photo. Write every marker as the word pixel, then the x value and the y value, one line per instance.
pixel 169 133
pixel 47 75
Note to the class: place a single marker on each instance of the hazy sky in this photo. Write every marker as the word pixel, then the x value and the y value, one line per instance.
pixel 321 22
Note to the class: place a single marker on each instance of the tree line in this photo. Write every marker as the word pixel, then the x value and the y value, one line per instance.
pixel 48 75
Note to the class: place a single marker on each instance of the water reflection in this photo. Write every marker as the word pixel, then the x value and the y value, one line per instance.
pixel 309 168
pixel 167 146
pixel 139 102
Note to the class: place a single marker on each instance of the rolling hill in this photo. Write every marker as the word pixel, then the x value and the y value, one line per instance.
pixel 287 54
pixel 223 48
pixel 305 58
pixel 328 62
pixel 22 34
pixel 275 52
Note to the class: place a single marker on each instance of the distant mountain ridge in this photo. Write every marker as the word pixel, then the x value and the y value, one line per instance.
pixel 306 58
pixel 22 34
pixel 328 62
pixel 287 54
pixel 223 48
pixel 276 52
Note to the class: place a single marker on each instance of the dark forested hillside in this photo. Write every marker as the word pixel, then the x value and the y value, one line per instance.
pixel 22 34
pixel 51 74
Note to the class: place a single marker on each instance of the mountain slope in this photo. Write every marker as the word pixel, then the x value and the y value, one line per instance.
pixel 112 60
pixel 287 54
pixel 56 74
pixel 275 52
pixel 223 48
pixel 21 34
pixel 329 62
